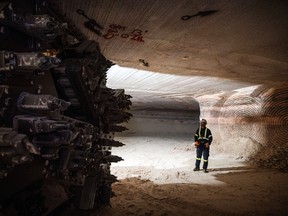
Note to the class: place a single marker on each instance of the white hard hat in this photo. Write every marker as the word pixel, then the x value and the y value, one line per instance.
pixel 204 121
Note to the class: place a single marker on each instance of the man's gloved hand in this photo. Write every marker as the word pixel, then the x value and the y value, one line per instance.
pixel 207 145
pixel 196 143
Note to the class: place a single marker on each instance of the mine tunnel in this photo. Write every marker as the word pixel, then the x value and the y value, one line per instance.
pixel 248 120
pixel 182 61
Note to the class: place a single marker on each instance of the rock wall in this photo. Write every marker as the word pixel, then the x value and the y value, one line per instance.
pixel 251 124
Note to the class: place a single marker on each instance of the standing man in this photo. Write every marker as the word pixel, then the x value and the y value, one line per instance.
pixel 203 139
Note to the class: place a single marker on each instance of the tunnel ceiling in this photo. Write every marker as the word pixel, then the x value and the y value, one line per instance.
pixel 240 40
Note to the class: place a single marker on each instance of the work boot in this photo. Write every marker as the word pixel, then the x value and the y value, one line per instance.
pixel 206 171
pixel 196 169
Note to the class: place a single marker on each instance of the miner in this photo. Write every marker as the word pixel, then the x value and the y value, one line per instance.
pixel 203 139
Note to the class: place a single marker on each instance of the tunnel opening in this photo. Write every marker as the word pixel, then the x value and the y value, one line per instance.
pixel 159 140
pixel 166 111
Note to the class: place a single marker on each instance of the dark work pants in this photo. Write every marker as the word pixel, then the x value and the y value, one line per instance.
pixel 200 150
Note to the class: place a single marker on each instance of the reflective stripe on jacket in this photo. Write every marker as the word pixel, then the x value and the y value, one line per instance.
pixel 203 135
